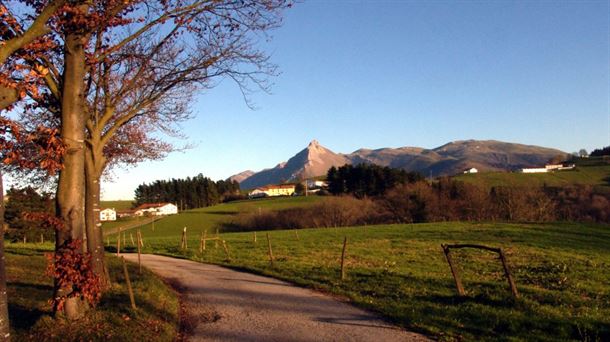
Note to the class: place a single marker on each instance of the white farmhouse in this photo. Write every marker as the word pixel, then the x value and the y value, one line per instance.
pixel 535 170
pixel 167 209
pixel 156 209
pixel 108 215
pixel 471 170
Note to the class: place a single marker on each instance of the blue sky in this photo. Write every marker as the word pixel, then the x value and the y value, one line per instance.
pixel 406 73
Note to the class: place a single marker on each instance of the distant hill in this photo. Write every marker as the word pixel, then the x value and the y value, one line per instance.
pixel 241 176
pixel 448 159
pixel 313 161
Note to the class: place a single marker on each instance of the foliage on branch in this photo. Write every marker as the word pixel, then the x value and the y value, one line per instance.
pixel 71 269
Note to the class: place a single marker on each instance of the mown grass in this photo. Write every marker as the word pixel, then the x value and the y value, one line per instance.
pixel 400 271
pixel 29 291
pixel 117 205
pixel 584 175
pixel 210 218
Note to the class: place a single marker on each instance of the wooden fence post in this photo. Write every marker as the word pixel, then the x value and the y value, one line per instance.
pixel 454 271
pixel 131 238
pixel 270 251
pixel 217 238
pixel 509 276
pixel 205 234
pixel 224 246
pixel 139 252
pixel 118 243
pixel 343 258
pixel 131 298
pixel 41 238
pixel 184 243
pixel 296 233
pixel 255 238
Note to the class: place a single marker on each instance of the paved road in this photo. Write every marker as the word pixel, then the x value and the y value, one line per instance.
pixel 238 306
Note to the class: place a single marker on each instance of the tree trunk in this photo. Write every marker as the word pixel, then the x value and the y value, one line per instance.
pixel 8 96
pixel 4 322
pixel 71 187
pixel 95 238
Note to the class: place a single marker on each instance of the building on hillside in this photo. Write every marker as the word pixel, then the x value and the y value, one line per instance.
pixel 108 215
pixel 471 170
pixel 552 167
pixel 534 170
pixel 156 209
pixel 548 168
pixel 126 213
pixel 273 190
pixel 313 184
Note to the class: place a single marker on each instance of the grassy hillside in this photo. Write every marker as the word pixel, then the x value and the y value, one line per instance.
pixel 400 272
pixel 588 175
pixel 117 205
pixel 210 218
pixel 29 290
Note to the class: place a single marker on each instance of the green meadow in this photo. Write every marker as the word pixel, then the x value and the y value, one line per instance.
pixel 400 271
pixel 29 291
pixel 598 175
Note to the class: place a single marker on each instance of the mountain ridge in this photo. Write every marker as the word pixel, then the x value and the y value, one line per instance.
pixel 448 159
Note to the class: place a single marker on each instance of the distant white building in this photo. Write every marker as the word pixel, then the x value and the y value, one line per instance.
pixel 273 190
pixel 156 209
pixel 108 215
pixel 471 170
pixel 548 168
pixel 535 170
pixel 316 184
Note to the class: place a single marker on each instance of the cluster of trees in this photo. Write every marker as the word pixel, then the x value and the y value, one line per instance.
pixel 601 152
pixel 91 83
pixel 196 192
pixel 367 179
pixel 27 200
pixel 442 200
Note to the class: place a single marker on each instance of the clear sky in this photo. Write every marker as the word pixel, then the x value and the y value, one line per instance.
pixel 407 73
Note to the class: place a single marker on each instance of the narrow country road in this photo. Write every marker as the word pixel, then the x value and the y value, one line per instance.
pixel 237 306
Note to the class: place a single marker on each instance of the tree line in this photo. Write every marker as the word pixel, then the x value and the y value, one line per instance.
pixel 367 179
pixel 441 200
pixel 188 193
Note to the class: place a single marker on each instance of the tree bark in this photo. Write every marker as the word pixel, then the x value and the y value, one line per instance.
pixel 4 319
pixel 71 187
pixel 95 238
pixel 8 96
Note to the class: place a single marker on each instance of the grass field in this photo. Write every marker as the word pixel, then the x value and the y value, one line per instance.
pixel 585 175
pixel 400 271
pixel 29 290
pixel 117 205
pixel 211 218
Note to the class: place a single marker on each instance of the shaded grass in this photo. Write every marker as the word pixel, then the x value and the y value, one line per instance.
pixel 399 271
pixel 29 290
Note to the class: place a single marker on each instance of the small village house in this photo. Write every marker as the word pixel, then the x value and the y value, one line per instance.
pixel 108 214
pixel 156 209
pixel 273 190
pixel 471 170
pixel 548 168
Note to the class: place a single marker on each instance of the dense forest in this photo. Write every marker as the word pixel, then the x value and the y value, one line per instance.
pixel 189 193
pixel 367 179
pixel 27 200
